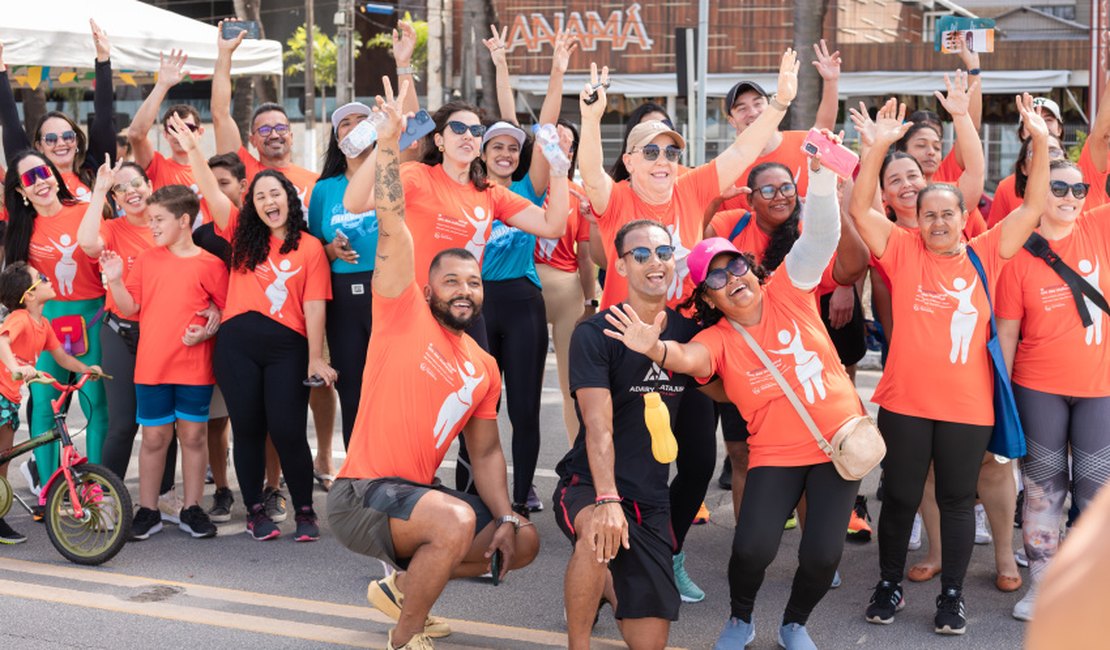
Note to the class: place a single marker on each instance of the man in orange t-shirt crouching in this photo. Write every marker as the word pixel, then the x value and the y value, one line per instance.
pixel 425 381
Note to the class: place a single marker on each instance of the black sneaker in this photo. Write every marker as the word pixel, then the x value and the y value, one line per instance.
pixel 275 505
pixel 196 522
pixel 307 530
pixel 222 501
pixel 951 615
pixel 146 523
pixel 724 481
pixel 10 536
pixel 259 525
pixel 886 600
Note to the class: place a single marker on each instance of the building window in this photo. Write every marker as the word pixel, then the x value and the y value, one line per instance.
pixel 1066 12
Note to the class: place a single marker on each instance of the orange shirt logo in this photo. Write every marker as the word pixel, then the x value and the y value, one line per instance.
pixel 807 364
pixel 276 291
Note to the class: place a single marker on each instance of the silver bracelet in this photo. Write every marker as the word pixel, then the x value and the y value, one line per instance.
pixel 775 103
pixel 404 70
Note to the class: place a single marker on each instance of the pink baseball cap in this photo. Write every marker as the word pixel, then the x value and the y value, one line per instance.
pixel 697 262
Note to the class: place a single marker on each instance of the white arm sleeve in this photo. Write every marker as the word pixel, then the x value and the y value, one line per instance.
pixel 811 254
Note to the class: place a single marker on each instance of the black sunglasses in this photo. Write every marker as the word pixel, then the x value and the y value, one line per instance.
pixel 1060 189
pixel 651 152
pixel 642 253
pixel 52 138
pixel 768 192
pixel 718 278
pixel 458 128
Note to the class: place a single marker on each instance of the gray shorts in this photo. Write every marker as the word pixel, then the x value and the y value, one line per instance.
pixel 359 511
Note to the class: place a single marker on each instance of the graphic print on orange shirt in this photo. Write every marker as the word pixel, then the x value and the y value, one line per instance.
pixel 54 251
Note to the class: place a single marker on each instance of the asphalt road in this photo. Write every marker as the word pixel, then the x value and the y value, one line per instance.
pixel 175 592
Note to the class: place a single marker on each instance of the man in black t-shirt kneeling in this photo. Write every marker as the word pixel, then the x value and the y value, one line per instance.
pixel 612 500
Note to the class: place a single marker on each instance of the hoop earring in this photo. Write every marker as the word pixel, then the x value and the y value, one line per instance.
pixel 440 148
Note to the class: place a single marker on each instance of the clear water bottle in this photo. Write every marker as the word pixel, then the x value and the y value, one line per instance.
pixel 362 136
pixel 548 136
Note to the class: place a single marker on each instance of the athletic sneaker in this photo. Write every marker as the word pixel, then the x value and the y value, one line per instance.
pixel 387 598
pixel 793 636
pixel 836 580
pixel 146 523
pixel 885 602
pixel 737 634
pixel 724 481
pixel 196 522
pixel 859 525
pixel 791 521
pixel 1018 511
pixel 8 535
pixel 307 530
pixel 275 505
pixel 703 515
pixel 1021 559
pixel 534 504
pixel 259 524
pixel 170 506
pixel 982 527
pixel 687 590
pixel 915 534
pixel 222 501
pixel 951 615
pixel 417 642
pixel 30 471
pixel 38 513
pixel 1023 610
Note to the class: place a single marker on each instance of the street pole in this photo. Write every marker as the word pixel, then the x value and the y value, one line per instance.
pixel 344 65
pixel 435 54
pixel 703 72
pixel 309 88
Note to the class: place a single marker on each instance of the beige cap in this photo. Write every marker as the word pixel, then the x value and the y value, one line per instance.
pixel 644 132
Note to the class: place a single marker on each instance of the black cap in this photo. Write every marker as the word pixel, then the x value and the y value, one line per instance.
pixel 742 87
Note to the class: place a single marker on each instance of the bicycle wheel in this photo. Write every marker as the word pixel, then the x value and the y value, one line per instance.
pixel 105 525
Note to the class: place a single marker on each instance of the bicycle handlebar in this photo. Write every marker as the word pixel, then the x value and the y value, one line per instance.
pixel 48 379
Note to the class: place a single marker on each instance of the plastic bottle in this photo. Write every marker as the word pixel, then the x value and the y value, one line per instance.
pixel 362 136
pixel 549 138
pixel 658 419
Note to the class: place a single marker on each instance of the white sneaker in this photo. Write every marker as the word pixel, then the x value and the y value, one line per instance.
pixel 1023 610
pixel 30 474
pixel 1021 559
pixel 915 534
pixel 170 506
pixel 982 528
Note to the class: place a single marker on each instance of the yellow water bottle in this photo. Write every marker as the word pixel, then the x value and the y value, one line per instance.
pixel 658 419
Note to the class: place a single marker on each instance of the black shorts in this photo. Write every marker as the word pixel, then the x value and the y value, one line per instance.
pixel 850 340
pixel 733 426
pixel 359 512
pixel 643 574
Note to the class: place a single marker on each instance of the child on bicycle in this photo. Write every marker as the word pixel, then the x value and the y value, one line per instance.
pixel 24 334
pixel 167 287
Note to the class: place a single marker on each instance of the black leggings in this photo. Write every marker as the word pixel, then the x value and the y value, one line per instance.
pixel 516 328
pixel 956 451
pixel 770 494
pixel 119 362
pixel 696 429
pixel 348 330
pixel 261 366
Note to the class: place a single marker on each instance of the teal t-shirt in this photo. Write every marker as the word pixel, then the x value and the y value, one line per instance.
pixel 326 214
pixel 510 252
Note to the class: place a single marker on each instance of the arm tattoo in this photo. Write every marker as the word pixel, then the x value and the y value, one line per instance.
pixel 387 185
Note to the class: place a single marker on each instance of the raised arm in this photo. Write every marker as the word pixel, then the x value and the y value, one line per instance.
pixel 1098 143
pixel 88 232
pixel 1019 224
pixel 828 66
pixel 14 137
pixel 102 131
pixel 565 45
pixel 404 44
pixel 170 73
pixel 219 206
pixel 749 145
pixel 820 223
pixel 227 132
pixel 871 224
pixel 956 102
pixel 598 184
pixel 970 60
pixel 852 256
pixel 550 220
pixel 506 105
pixel 393 269
pixel 686 358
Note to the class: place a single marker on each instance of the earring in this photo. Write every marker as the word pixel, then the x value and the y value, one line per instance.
pixel 440 148
pixel 25 201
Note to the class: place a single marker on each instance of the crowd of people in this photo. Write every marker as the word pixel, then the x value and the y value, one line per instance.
pixel 411 288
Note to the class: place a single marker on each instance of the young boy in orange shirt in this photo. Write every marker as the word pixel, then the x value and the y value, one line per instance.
pixel 24 334
pixel 167 286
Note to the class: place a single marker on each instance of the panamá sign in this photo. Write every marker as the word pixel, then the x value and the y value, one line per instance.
pixel 621 29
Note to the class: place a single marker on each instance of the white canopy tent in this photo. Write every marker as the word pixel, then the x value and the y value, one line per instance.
pixel 55 35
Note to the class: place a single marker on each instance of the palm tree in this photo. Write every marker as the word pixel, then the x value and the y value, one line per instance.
pixel 809 19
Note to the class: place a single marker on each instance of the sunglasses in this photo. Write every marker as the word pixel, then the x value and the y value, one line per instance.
pixel 718 278
pixel 458 128
pixel 651 152
pixel 66 136
pixel 265 130
pixel 1060 189
pixel 42 278
pixel 134 183
pixel 787 190
pixel 34 175
pixel 642 253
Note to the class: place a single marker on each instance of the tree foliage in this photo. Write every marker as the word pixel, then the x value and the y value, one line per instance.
pixel 420 53
pixel 325 53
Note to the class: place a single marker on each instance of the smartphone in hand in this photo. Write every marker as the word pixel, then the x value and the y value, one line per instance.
pixel 838 158
pixel 231 29
pixel 341 241
pixel 418 126
pixel 495 567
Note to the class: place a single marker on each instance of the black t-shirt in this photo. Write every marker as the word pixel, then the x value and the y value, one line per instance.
pixel 205 236
pixel 597 361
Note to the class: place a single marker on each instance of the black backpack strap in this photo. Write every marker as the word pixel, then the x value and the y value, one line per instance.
pixel 1039 247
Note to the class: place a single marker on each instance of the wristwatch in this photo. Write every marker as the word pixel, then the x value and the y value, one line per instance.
pixel 592 303
pixel 509 519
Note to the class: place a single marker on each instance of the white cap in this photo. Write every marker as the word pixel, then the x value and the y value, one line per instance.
pixel 351 108
pixel 504 128
pixel 1048 105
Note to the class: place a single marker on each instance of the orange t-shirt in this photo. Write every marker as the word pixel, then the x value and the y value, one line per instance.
pixel 793 336
pixel 76 187
pixel 28 338
pixel 1096 196
pixel 279 287
pixel 789 153
pixel 562 253
pixel 164 171
pixel 1056 353
pixel 1006 200
pixel 938 367
pixel 55 252
pixel 170 291
pixel 950 172
pixel 682 216
pixel 301 178
pixel 421 385
pixel 442 213
pixel 127 240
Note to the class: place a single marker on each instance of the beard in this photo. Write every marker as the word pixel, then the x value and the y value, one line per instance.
pixel 441 309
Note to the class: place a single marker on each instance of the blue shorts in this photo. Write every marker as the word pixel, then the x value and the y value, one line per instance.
pixel 162 404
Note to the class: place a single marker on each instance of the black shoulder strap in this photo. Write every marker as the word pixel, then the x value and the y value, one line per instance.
pixel 1038 246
